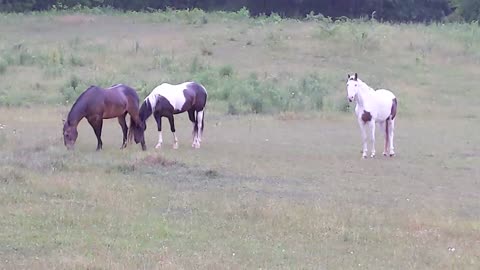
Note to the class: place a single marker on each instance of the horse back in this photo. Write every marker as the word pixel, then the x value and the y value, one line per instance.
pixel 119 99
pixel 198 95
pixel 195 97
pixel 386 104
pixel 121 94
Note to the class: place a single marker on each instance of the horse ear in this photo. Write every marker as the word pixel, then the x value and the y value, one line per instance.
pixel 356 76
pixel 348 77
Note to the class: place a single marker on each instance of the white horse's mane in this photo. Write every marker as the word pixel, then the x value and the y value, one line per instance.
pixel 152 99
pixel 365 86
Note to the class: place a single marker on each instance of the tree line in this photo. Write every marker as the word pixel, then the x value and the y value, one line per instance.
pixel 389 10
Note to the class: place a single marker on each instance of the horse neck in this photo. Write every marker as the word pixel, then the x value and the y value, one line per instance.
pixel 146 110
pixel 364 94
pixel 77 112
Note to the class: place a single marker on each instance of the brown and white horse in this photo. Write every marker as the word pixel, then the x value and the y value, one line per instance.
pixel 373 107
pixel 166 100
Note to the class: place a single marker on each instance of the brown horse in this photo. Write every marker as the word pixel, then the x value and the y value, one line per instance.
pixel 97 104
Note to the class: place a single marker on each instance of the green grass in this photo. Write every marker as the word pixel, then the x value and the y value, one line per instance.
pixel 258 194
pixel 278 182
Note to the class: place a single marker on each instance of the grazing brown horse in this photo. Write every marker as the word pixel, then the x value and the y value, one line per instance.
pixel 97 104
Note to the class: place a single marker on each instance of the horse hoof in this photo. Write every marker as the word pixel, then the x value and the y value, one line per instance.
pixel 158 146
pixel 372 156
pixel 175 146
pixel 384 154
pixel 195 145
pixel 392 155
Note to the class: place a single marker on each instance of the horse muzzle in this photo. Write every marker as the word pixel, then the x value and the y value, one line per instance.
pixel 70 147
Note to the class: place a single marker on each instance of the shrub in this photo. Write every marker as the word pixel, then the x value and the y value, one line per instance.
pixel 25 58
pixel 76 61
pixel 54 71
pixel 226 71
pixel 70 91
pixel 3 65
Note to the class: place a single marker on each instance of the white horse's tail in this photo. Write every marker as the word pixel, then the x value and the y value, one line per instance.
pixel 387 135
pixel 393 113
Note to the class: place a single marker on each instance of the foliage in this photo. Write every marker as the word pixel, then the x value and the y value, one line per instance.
pixel 392 10
pixel 469 10
pixel 71 63
pixel 3 65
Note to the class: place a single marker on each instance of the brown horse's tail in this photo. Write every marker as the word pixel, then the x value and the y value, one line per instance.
pixel 131 131
pixel 134 99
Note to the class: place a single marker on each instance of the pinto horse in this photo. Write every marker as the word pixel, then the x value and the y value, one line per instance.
pixel 97 104
pixel 166 100
pixel 373 107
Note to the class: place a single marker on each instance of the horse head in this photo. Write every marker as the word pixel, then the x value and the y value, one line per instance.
pixel 353 86
pixel 139 131
pixel 138 128
pixel 70 135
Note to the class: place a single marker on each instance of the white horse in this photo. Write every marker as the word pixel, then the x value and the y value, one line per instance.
pixel 373 107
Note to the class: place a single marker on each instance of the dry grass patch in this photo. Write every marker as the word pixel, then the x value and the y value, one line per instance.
pixel 75 19
pixel 157 159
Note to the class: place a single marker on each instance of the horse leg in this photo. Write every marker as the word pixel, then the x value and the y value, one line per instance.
pixel 390 135
pixel 200 115
pixel 172 128
pixel 191 115
pixel 158 118
pixel 123 124
pixel 384 126
pixel 144 146
pixel 96 123
pixel 372 138
pixel 363 131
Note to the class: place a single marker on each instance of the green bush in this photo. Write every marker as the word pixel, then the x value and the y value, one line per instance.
pixel 76 61
pixel 3 65
pixel 468 10
pixel 71 90
pixel 25 58
pixel 226 71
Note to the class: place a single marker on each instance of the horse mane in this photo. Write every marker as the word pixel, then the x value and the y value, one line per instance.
pixel 145 110
pixel 115 85
pixel 76 104
pixel 365 86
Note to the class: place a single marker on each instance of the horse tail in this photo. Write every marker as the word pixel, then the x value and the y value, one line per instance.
pixel 393 111
pixel 203 121
pixel 204 104
pixel 387 136
pixel 132 94
pixel 131 130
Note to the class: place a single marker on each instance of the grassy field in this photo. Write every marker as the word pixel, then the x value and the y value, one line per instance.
pixel 278 182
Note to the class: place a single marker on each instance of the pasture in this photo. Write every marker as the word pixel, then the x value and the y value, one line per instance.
pixel 278 183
